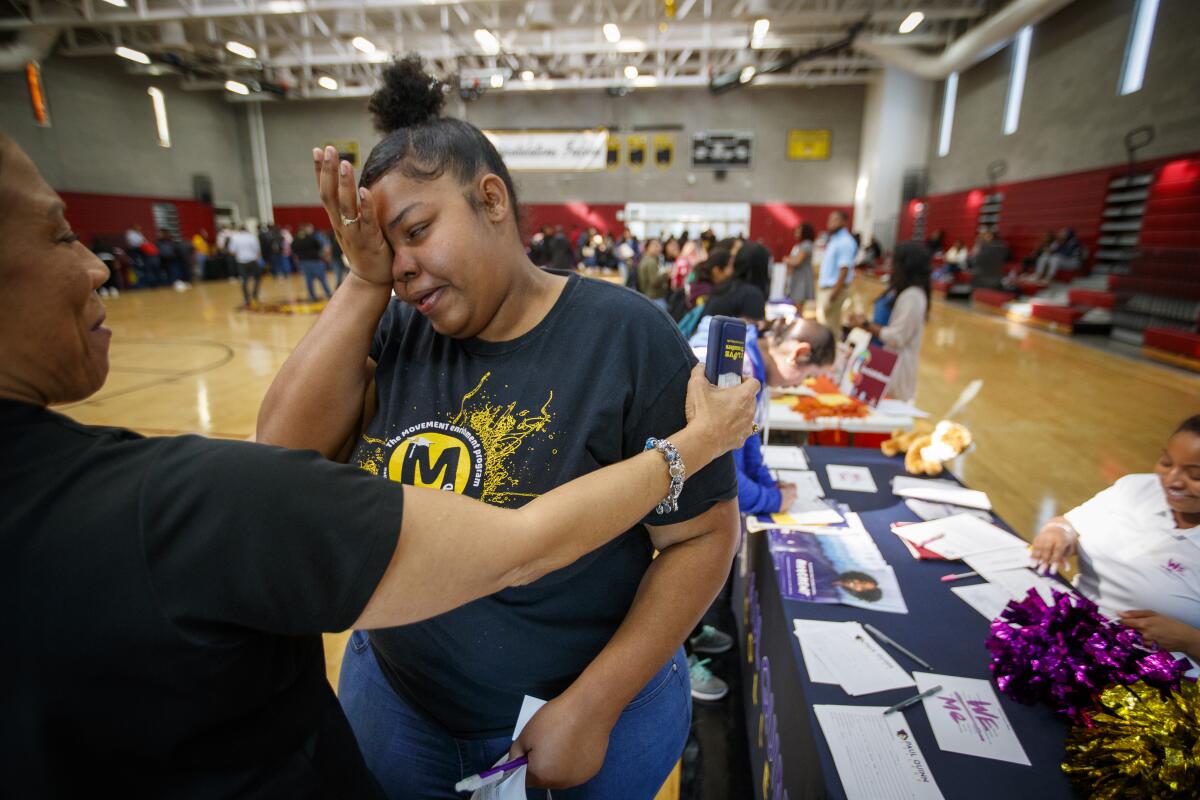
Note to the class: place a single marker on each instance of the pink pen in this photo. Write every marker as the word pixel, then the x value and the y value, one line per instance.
pixel 958 576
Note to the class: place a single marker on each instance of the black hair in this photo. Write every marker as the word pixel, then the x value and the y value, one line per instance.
pixel 807 233
pixel 910 267
pixel 873 595
pixel 1190 425
pixel 753 265
pixel 822 347
pixel 422 144
pixel 718 258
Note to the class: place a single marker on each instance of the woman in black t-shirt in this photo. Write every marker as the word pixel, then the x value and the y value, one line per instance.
pixel 169 593
pixel 495 379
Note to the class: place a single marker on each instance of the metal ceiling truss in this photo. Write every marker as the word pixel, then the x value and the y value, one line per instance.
pixel 554 44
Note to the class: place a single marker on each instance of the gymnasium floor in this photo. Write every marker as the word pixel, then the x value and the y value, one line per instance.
pixel 1056 420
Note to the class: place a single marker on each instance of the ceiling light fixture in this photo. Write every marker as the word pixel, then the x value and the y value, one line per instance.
pixel 760 33
pixel 236 87
pixel 117 3
pixel 747 74
pixel 497 81
pixel 487 41
pixel 326 82
pixel 243 50
pixel 527 75
pixel 911 22
pixel 631 73
pixel 612 33
pixel 133 55
pixel 365 45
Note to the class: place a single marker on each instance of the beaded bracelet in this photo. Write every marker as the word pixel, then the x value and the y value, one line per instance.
pixel 675 468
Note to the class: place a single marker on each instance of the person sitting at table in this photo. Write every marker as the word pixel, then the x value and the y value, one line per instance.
pixel 795 349
pixel 1138 543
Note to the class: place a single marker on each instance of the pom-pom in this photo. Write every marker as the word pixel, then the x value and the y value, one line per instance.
pixel 409 96
pixel 1144 743
pixel 1064 654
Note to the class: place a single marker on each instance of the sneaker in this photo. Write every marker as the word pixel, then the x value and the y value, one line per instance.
pixel 102 292
pixel 180 286
pixel 711 641
pixel 114 292
pixel 705 685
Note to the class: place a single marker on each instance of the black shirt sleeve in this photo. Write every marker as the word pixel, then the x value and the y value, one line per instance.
pixel 384 329
pixel 260 537
pixel 659 412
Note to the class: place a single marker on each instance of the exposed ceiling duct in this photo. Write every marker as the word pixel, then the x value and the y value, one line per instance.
pixel 26 46
pixel 973 46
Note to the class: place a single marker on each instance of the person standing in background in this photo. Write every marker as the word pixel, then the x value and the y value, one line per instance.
pixel 900 314
pixel 201 250
pixel 311 250
pixel 246 249
pixel 837 273
pixel 652 278
pixel 338 259
pixel 800 287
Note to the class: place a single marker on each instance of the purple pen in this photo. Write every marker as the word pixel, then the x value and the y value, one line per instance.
pixel 489 776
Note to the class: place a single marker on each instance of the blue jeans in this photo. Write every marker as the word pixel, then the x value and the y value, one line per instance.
pixel 314 271
pixel 414 758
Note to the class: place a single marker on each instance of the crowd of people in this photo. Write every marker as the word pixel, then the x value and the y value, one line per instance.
pixel 247 253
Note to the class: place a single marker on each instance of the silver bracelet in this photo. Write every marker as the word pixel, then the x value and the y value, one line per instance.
pixel 675 468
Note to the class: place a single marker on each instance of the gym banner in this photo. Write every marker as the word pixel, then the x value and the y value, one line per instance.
pixel 552 151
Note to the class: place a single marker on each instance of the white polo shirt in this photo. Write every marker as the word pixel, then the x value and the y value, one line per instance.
pixel 1132 556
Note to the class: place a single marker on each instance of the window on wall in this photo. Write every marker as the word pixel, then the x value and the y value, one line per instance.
pixel 1137 49
pixel 1016 80
pixel 948 101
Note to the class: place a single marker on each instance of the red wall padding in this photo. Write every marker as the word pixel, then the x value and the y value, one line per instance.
pixel 93 215
pixel 771 223
pixel 1075 200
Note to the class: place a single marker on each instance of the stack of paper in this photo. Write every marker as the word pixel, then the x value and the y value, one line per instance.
pixel 808 511
pixel 844 653
pixel 784 457
pixel 959 536
pixel 877 757
pixel 850 479
pixel 931 511
pixel 940 491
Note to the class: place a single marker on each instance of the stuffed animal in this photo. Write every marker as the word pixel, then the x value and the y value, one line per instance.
pixel 901 439
pixel 926 452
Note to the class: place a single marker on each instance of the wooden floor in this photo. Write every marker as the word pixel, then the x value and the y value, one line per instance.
pixel 1056 421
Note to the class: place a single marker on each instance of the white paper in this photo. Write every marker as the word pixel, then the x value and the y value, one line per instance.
pixel 999 560
pixel 862 666
pixel 811 511
pixel 930 511
pixel 966 718
pixel 985 598
pixel 513 785
pixel 850 479
pixel 938 491
pixel 1017 583
pixel 784 457
pixel 818 671
pixel 898 408
pixel 807 482
pixel 877 757
pixel 961 535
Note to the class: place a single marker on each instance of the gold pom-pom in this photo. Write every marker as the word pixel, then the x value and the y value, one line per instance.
pixel 1144 743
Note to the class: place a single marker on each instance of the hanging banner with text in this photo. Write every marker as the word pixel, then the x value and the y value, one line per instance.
pixel 552 151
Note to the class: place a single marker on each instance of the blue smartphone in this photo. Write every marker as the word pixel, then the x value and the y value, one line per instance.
pixel 726 350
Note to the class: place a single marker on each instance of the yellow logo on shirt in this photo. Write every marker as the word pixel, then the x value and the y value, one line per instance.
pixel 432 461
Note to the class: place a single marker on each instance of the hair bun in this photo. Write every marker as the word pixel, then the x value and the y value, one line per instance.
pixel 409 96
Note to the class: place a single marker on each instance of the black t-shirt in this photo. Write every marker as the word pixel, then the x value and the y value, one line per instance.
pixel 308 248
pixel 736 298
pixel 164 600
pixel 506 422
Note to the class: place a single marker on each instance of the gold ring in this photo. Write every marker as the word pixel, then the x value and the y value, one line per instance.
pixel 350 221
